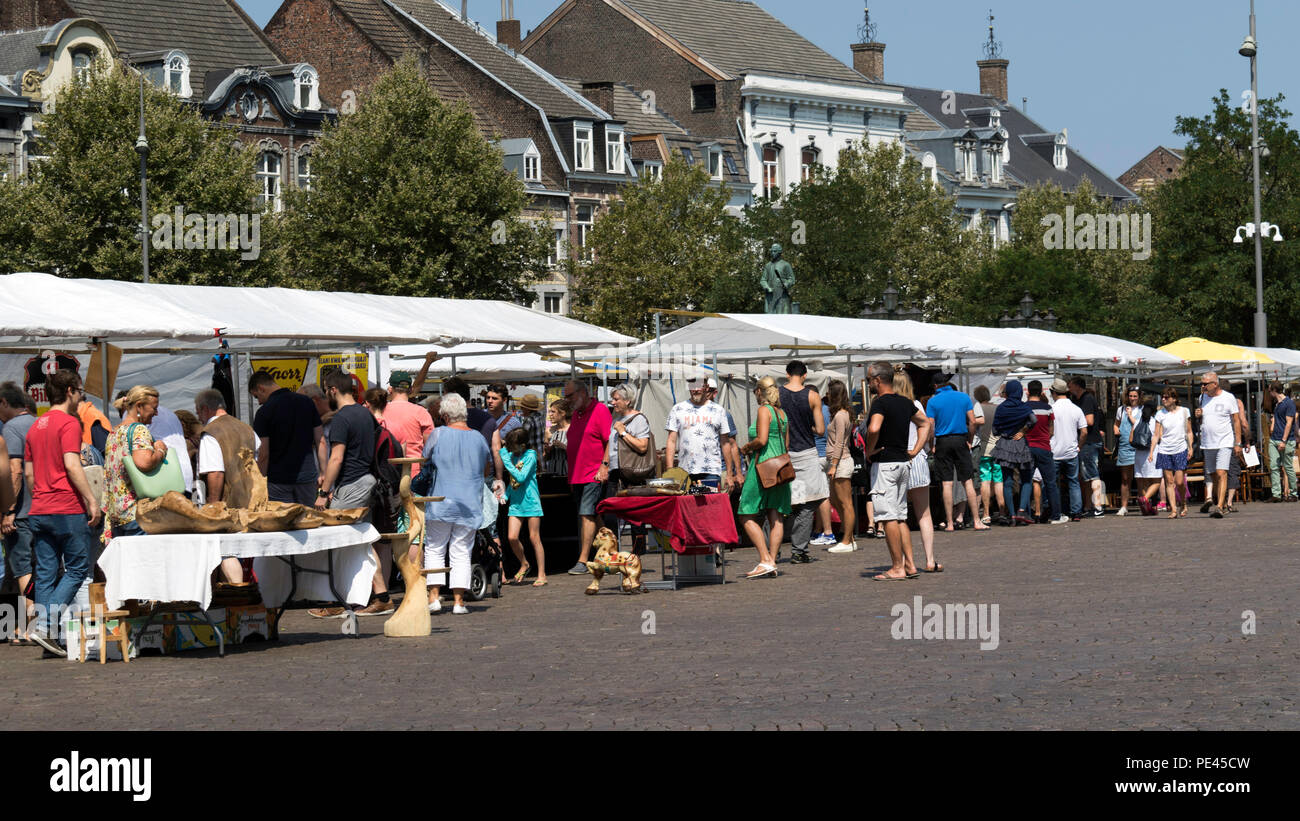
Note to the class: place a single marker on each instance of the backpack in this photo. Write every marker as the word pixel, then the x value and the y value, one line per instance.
pixel 1140 437
pixel 386 498
pixel 858 451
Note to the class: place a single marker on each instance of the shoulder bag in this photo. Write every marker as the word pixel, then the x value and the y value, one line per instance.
pixel 157 482
pixel 776 470
pixel 635 465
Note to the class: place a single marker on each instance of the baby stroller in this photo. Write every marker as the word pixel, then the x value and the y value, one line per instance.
pixel 485 567
pixel 485 570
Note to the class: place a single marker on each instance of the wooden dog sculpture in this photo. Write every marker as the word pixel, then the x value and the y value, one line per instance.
pixel 609 559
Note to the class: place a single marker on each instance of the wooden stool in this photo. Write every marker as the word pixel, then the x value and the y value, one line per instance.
pixel 98 617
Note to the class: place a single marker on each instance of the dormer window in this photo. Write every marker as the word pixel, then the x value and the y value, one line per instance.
pixel 715 163
pixel 306 89
pixel 651 170
pixel 1059 158
pixel 930 168
pixel 995 119
pixel 532 167
pixel 966 148
pixel 993 157
pixel 583 151
pixel 83 64
pixel 613 150
pixel 176 75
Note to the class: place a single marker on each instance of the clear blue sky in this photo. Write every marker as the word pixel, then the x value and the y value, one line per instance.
pixel 1114 72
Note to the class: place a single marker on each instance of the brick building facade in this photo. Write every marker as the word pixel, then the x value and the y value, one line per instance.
pixel 571 154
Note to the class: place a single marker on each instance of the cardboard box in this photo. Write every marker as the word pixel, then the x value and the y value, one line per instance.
pixel 245 621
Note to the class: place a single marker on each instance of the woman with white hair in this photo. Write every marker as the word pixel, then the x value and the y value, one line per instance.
pixel 461 460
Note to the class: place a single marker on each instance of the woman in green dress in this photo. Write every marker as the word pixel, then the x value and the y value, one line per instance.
pixel 768 437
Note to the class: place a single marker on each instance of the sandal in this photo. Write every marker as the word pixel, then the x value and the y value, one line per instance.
pixel 539 583
pixel 871 531
pixel 938 568
pixel 519 577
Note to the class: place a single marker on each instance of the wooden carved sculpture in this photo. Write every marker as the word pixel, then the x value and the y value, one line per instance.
pixel 609 559
pixel 412 616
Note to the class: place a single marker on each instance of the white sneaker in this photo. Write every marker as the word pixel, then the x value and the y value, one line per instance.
pixel 842 548
pixel 435 606
pixel 1060 520
pixel 1123 511
pixel 460 610
pixel 822 539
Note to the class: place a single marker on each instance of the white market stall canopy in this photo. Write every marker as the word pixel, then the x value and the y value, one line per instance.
pixel 43 311
pixel 477 361
pixel 757 337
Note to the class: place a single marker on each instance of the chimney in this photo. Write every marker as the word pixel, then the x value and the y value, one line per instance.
pixel 508 30
pixel 869 59
pixel 993 78
pixel 601 94
pixel 868 54
pixel 993 68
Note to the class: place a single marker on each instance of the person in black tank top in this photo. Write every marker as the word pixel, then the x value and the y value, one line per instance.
pixel 803 407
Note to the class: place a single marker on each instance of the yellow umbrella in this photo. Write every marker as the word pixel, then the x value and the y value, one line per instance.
pixel 1195 349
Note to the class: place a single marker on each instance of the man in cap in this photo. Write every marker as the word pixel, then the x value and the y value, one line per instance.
pixel 1069 431
pixel 408 422
pixel 698 433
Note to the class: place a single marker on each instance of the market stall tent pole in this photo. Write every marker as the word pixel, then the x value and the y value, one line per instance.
pixel 234 385
pixel 107 388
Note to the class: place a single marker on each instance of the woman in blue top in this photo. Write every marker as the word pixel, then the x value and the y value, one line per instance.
pixel 520 462
pixel 461 458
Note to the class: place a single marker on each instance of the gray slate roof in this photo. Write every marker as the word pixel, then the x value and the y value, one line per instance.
pixel 516 71
pixel 736 36
pixel 215 34
pixel 18 50
pixel 1027 165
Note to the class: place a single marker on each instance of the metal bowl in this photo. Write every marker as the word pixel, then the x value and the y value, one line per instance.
pixel 661 483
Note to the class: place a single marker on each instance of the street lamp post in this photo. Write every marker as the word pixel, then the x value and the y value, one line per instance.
pixel 888 307
pixel 142 148
pixel 1028 317
pixel 1248 49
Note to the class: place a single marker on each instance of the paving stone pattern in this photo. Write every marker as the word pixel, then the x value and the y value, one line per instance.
pixel 1118 623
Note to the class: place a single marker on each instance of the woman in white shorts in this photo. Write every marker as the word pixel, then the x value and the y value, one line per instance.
pixel 918 488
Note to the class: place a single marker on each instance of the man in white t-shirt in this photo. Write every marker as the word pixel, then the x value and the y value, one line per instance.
pixel 1069 429
pixel 697 433
pixel 219 466
pixel 1220 437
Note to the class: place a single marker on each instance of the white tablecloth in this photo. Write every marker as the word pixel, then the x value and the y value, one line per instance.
pixel 179 567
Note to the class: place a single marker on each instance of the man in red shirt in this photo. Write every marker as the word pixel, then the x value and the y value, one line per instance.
pixel 409 423
pixel 588 452
pixel 63 508
pixel 1039 439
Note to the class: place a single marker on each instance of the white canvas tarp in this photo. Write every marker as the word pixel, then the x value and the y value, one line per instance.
pixel 45 311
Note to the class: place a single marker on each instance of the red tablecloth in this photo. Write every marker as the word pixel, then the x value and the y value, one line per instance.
pixel 691 521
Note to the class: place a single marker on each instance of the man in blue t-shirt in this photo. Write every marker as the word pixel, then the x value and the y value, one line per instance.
pixel 953 413
pixel 1281 444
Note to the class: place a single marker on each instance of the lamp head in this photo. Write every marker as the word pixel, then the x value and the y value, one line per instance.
pixel 1247 47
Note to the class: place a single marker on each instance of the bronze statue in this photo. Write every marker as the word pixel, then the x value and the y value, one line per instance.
pixel 778 279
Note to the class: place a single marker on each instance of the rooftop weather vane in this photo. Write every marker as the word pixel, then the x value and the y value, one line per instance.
pixel 992 49
pixel 867 30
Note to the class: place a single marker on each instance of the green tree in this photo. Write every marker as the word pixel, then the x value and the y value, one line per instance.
pixel 1203 283
pixel 82 205
pixel 667 243
pixel 873 220
pixel 410 199
pixel 1094 290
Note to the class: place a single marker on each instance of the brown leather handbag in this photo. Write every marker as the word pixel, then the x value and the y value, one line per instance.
pixel 777 470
